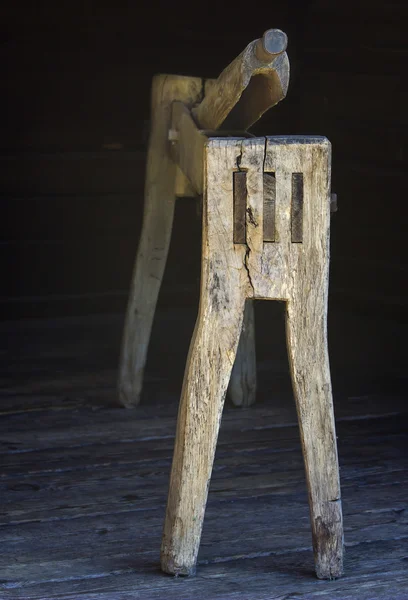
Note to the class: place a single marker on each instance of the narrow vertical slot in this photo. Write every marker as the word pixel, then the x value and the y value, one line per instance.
pixel 240 202
pixel 297 208
pixel 269 207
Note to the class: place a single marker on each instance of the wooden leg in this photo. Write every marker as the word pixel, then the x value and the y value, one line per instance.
pixel 211 357
pixel 156 233
pixel 309 362
pixel 242 385
pixel 145 287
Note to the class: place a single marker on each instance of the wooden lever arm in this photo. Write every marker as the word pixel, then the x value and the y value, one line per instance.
pixel 255 81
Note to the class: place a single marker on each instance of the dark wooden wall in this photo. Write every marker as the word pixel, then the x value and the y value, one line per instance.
pixel 75 125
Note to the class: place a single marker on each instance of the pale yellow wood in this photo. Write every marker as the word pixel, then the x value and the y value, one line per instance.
pixel 165 180
pixel 187 150
pixel 299 274
pixel 256 80
pixel 155 238
pixel 212 353
pixel 264 84
pixel 309 364
pixel 296 273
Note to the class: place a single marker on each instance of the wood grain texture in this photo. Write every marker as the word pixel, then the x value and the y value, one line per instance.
pixel 294 272
pixel 166 177
pixel 163 179
pixel 156 233
pixel 83 487
pixel 304 285
pixel 188 153
pixel 243 91
pixel 209 365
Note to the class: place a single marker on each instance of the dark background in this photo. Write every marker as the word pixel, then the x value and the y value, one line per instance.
pixel 75 122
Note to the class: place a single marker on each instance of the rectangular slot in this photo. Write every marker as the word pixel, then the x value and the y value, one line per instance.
pixel 297 208
pixel 269 207
pixel 240 202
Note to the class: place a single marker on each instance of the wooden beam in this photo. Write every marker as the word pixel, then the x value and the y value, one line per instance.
pixel 255 81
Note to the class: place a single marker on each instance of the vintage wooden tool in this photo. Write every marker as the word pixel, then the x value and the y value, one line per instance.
pixel 266 222
pixel 256 80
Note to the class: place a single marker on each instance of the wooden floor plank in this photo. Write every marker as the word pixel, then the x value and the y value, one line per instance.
pixel 275 465
pixel 139 533
pixel 275 576
pixel 149 448
pixel 60 429
pixel 83 483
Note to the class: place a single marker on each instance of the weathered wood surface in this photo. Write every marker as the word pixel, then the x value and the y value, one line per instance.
pixel 294 270
pixel 83 488
pixel 170 98
pixel 255 81
pixel 208 369
pixel 298 271
pixel 156 233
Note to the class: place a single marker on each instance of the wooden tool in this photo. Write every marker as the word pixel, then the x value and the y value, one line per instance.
pixel 223 97
pixel 266 222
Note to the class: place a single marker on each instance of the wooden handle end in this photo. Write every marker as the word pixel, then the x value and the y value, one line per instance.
pixel 272 43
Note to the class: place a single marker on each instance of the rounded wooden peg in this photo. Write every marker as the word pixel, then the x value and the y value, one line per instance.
pixel 272 43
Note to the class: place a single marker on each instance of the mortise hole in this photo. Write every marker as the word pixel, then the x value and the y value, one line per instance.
pixel 269 207
pixel 297 208
pixel 240 202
